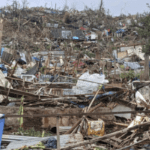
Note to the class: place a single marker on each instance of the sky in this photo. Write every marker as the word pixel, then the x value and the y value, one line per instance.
pixel 116 7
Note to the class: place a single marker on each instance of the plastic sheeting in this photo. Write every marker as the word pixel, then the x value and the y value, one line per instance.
pixel 132 65
pixel 2 122
pixel 99 79
pixel 101 95
pixel 86 87
pixel 4 70
pixel 19 71
pixel 120 31
pixel 91 97
pixel 23 57
pixel 35 58
pixel 75 38
pixel 51 143
pixel 79 105
pixel 140 98
pixel 2 49
pixel 115 55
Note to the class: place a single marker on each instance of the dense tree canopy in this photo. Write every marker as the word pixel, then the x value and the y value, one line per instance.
pixel 144 32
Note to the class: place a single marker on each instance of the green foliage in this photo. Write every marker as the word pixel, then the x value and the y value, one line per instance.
pixel 146 48
pixel 40 145
pixel 100 87
pixel 97 148
pixel 126 39
pixel 7 46
pixel 36 49
pixel 122 66
pixel 20 112
pixel 89 54
pixel 42 69
pixel 32 132
pixel 65 44
pixel 76 48
pixel 14 67
pixel 48 47
pixel 144 32
pixel 28 68
pixel 130 75
pixel 6 83
pixel 114 48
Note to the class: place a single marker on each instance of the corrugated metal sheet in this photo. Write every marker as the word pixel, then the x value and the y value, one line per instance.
pixel 7 55
pixel 67 34
pixel 33 70
pixel 20 141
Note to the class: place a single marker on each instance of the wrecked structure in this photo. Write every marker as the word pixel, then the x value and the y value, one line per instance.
pixel 79 82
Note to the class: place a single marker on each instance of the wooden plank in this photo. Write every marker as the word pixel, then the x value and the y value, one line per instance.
pixel 14 92
pixel 58 136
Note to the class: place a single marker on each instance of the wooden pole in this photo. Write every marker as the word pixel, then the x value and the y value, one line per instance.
pixel 146 67
pixel 58 136
pixel 93 100
pixel 1 30
pixel 9 88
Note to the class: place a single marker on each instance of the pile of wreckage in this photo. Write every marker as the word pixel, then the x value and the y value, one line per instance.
pixel 71 80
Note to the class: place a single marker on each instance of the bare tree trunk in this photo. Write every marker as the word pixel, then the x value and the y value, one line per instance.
pixel 1 31
pixel 100 9
pixel 146 66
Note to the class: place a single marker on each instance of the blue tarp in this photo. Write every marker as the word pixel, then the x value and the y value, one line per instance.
pixel 2 49
pixel 51 143
pixel 80 106
pixel 146 147
pixel 149 64
pixel 132 65
pixel 135 79
pixel 75 38
pixel 53 12
pixel 120 31
pixel 2 122
pixel 35 58
pixel 91 97
pixel 2 66
pixel 101 95
pixel 4 70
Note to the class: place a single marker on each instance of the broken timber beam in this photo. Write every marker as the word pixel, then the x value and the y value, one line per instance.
pixel 106 136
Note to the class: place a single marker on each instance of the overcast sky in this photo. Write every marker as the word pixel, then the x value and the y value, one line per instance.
pixel 115 6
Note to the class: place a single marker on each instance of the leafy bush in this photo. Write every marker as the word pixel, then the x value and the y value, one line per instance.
pixel 130 75
pixel 32 132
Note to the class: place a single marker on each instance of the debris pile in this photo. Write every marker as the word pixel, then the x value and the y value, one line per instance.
pixel 71 73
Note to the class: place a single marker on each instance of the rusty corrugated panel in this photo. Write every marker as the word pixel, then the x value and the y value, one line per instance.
pixel 7 56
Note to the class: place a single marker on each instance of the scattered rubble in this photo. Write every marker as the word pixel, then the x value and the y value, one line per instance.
pixel 78 72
